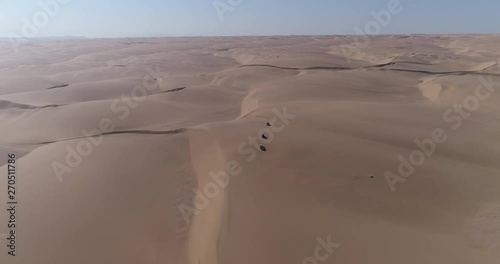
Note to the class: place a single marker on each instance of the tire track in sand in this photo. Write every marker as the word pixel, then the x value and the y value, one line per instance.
pixel 207 226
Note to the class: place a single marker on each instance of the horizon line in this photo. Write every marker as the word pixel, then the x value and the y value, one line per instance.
pixel 263 35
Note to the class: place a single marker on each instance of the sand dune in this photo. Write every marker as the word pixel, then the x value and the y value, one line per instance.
pixel 147 150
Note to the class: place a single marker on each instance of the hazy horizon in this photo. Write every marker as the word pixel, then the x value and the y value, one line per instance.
pixel 155 18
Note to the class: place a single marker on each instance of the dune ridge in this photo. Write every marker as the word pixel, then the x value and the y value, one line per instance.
pixel 115 138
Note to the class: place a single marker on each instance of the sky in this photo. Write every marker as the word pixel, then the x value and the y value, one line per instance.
pixel 157 18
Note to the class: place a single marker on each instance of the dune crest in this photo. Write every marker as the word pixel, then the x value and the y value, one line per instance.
pixel 381 153
pixel 249 104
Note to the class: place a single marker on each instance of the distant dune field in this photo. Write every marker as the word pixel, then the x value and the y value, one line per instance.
pixel 141 151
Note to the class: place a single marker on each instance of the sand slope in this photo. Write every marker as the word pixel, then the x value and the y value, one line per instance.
pixel 155 119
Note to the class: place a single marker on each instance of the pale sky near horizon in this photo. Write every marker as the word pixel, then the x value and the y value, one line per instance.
pixel 156 18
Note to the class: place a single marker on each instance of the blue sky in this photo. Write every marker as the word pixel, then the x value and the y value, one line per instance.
pixel 143 18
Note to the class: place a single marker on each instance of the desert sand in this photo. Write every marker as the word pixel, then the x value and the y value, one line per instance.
pixel 118 142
